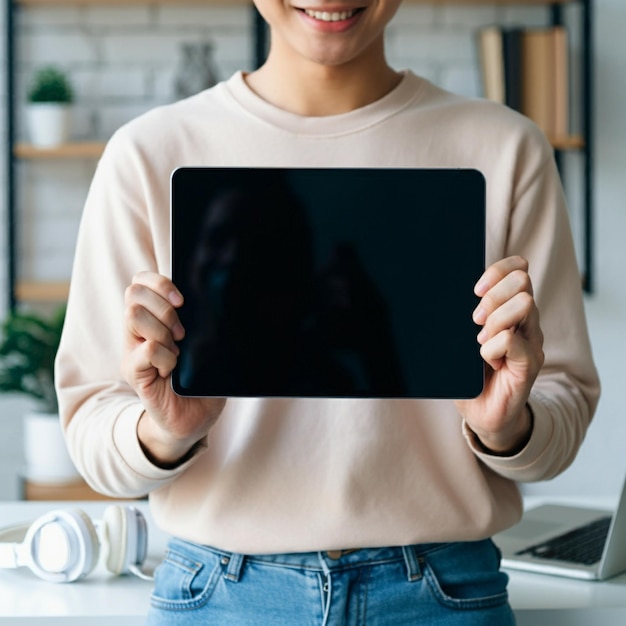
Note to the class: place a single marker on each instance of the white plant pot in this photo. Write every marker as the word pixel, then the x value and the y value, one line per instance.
pixel 48 123
pixel 45 452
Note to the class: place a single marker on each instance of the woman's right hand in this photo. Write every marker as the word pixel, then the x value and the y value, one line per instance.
pixel 171 425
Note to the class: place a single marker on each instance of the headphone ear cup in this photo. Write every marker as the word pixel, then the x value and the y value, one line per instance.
pixel 93 538
pixel 116 534
pixel 68 534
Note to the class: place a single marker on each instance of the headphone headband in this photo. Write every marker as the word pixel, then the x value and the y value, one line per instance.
pixel 10 538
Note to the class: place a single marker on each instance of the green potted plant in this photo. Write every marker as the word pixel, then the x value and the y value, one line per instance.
pixel 49 98
pixel 27 352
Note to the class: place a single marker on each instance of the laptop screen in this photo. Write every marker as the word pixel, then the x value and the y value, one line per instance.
pixel 328 282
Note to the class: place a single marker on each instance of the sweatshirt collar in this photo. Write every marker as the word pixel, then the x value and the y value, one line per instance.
pixel 401 96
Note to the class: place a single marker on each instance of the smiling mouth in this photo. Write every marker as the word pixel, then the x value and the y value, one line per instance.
pixel 331 16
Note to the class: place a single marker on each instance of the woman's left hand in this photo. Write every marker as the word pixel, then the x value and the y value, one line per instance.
pixel 511 343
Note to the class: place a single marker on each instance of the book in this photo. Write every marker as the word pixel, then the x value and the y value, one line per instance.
pixel 538 78
pixel 491 58
pixel 512 53
pixel 561 82
pixel 527 69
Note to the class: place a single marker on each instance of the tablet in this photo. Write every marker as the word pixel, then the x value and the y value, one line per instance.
pixel 333 283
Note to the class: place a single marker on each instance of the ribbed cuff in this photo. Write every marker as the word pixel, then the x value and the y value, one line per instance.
pixel 128 446
pixel 518 466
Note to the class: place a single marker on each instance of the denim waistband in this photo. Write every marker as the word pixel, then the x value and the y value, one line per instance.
pixel 322 561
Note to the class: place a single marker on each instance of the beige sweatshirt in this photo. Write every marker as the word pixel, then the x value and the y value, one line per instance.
pixel 283 475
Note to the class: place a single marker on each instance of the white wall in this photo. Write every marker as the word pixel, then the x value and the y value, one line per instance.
pixel 601 464
pixel 122 61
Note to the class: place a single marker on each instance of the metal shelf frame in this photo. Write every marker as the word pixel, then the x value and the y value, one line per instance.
pixel 585 70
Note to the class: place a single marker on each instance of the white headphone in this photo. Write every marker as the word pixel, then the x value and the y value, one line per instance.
pixel 63 546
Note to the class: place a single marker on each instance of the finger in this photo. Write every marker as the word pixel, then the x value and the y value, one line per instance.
pixel 161 285
pixel 515 282
pixel 141 363
pixel 519 312
pixel 142 326
pixel 511 347
pixel 497 271
pixel 505 346
pixel 148 311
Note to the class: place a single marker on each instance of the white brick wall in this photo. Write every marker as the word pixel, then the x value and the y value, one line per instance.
pixel 122 61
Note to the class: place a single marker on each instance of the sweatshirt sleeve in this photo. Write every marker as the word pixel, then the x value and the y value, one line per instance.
pixel 98 410
pixel 566 392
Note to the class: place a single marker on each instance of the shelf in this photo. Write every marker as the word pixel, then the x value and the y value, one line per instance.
pixel 79 150
pixel 93 150
pixel 574 142
pixel 54 3
pixel 50 3
pixel 40 291
pixel 70 491
pixel 492 2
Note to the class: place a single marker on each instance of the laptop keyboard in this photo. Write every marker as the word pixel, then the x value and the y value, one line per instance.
pixel 583 545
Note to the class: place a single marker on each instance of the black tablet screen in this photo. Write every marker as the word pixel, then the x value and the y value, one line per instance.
pixel 328 282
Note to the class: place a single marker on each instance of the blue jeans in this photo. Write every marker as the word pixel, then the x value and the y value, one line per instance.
pixel 445 584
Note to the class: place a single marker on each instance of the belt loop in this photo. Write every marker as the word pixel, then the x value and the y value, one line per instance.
pixel 412 562
pixel 235 564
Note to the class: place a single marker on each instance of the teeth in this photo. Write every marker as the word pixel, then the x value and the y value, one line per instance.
pixel 326 16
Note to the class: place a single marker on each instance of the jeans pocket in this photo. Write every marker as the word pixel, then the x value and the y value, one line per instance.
pixel 184 580
pixel 466 575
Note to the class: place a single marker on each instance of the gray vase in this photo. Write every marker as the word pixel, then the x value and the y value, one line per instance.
pixel 196 70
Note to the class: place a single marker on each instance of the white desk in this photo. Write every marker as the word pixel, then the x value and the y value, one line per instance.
pixel 102 599
pixel 97 600
pixel 541 599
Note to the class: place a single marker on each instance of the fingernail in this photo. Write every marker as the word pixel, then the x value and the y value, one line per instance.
pixel 482 335
pixel 479 315
pixel 178 332
pixel 481 287
pixel 175 298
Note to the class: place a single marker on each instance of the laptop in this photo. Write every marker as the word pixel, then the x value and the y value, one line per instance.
pixel 575 542
pixel 334 283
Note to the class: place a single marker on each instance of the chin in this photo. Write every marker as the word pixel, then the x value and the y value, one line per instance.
pixel 327 57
